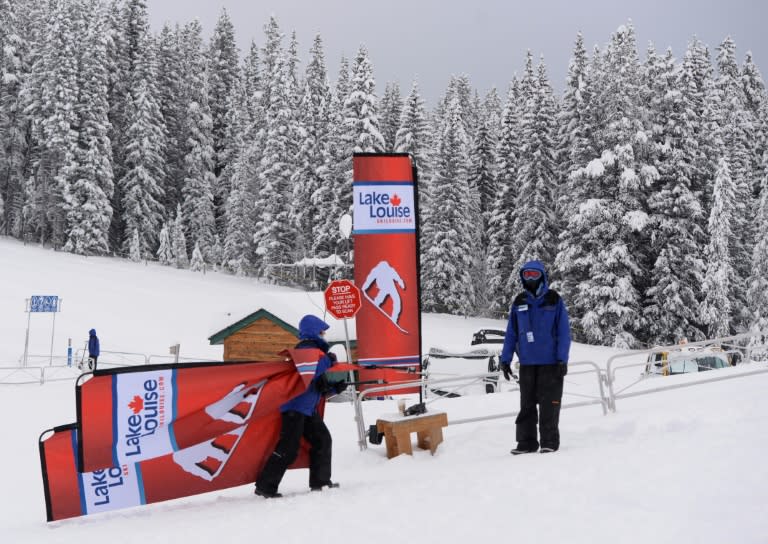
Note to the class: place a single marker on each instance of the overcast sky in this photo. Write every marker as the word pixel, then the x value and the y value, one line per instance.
pixel 486 39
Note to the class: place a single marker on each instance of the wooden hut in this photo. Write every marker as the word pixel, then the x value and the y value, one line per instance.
pixel 261 336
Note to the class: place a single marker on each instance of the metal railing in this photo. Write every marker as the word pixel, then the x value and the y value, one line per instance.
pixel 462 382
pixel 58 369
pixel 165 359
pixel 59 373
pixel 43 360
pixel 21 375
pixel 616 363
pixel 606 380
pixel 119 358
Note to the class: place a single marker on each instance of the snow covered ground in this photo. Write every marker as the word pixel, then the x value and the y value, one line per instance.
pixel 686 465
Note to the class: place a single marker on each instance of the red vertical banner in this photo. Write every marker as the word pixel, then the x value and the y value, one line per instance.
pixel 386 264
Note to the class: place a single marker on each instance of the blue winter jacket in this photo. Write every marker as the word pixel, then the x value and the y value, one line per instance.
pixel 309 336
pixel 93 344
pixel 538 329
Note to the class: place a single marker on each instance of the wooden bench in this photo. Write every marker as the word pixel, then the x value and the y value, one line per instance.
pixel 397 432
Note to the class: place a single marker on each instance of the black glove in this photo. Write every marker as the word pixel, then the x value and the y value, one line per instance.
pixel 506 369
pixel 332 356
pixel 340 386
pixel 562 369
pixel 322 385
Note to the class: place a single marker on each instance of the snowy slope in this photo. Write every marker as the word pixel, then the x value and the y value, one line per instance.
pixel 679 466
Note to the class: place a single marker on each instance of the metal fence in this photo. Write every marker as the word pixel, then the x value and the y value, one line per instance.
pixel 607 391
pixel 623 361
pixel 44 368
pixel 458 383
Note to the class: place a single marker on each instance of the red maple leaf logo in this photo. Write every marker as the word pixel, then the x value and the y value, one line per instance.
pixel 137 404
pixel 395 200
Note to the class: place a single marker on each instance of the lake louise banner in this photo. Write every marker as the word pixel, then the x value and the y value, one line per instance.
pixel 386 264
pixel 150 434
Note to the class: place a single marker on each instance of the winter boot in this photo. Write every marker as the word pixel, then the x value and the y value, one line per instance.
pixel 267 494
pixel 522 448
pixel 329 485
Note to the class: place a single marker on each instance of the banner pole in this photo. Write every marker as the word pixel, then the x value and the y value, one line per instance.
pixel 417 213
pixel 345 228
pixel 349 360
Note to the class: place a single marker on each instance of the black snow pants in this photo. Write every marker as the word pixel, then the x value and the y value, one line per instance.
pixel 294 426
pixel 542 385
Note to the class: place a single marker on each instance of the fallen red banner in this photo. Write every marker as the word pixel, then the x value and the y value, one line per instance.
pixel 128 415
pixel 161 433
pixel 232 459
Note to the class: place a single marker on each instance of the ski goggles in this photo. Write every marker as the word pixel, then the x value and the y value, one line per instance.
pixel 531 274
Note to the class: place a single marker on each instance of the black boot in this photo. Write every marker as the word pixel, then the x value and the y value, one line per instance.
pixel 267 494
pixel 524 448
pixel 329 485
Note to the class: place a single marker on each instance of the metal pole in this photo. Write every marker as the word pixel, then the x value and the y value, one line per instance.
pixel 349 357
pixel 53 333
pixel 82 357
pixel 346 263
pixel 26 340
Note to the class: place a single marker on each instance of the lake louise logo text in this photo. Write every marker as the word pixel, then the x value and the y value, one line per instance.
pixel 384 207
pixel 147 413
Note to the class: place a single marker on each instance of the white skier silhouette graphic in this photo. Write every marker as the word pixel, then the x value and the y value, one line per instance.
pixel 207 459
pixel 387 279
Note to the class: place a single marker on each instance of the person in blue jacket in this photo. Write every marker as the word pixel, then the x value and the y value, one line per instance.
pixel 539 332
pixel 301 419
pixel 93 349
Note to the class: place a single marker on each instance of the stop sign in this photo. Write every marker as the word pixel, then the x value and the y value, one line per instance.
pixel 342 299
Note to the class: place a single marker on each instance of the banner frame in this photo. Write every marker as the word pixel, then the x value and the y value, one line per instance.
pixel 44 466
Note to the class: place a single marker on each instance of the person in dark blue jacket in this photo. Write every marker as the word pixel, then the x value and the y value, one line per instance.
pixel 93 349
pixel 539 332
pixel 300 418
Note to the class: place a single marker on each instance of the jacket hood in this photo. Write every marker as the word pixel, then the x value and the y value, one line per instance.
pixel 311 326
pixel 92 332
pixel 536 265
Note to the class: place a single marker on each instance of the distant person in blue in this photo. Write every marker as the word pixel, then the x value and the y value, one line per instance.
pixel 539 332
pixel 93 349
pixel 300 418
